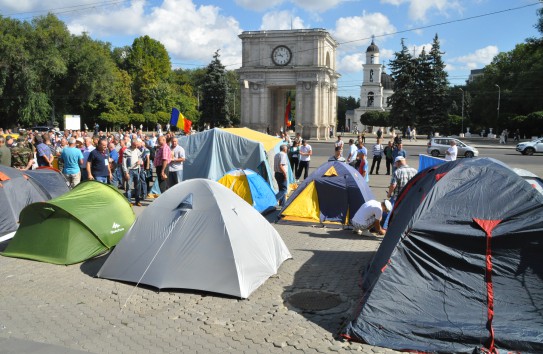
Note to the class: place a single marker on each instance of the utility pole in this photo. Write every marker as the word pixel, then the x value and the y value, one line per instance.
pixel 462 131
pixel 499 98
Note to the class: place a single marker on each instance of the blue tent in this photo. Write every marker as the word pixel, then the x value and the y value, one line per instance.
pixel 331 194
pixel 251 187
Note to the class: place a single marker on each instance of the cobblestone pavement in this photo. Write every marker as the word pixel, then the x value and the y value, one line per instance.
pixel 66 306
pixel 69 310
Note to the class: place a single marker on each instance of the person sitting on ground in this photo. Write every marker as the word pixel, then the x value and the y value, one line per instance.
pixel 368 217
pixel 337 155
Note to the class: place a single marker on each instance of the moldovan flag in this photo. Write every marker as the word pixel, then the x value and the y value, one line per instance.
pixel 288 112
pixel 178 120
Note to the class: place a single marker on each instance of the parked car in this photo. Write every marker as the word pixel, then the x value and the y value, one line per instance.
pixel 530 147
pixel 438 147
pixel 41 128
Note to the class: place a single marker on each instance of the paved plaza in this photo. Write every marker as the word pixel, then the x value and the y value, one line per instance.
pixel 47 308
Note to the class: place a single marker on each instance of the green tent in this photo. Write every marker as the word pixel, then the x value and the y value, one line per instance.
pixel 78 225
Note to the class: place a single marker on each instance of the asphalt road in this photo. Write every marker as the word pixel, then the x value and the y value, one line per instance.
pixel 322 150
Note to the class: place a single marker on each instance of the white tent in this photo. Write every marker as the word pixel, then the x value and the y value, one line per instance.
pixel 198 235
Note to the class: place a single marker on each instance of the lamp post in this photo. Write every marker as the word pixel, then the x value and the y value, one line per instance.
pixel 462 132
pixel 499 98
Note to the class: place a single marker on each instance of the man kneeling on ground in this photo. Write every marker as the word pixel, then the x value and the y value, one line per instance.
pixel 369 216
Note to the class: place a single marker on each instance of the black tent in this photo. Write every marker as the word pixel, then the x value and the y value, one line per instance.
pixel 459 269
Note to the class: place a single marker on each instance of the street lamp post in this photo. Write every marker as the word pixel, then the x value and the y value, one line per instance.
pixel 462 131
pixel 499 98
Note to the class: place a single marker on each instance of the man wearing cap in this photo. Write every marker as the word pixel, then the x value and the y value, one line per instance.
pixel 369 216
pixel 400 177
pixel 72 158
pixel 22 156
pixel 5 153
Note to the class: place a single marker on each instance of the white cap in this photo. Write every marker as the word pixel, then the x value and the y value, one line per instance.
pixel 399 158
pixel 388 205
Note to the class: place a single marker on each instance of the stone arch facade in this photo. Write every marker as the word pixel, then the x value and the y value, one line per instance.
pixel 277 62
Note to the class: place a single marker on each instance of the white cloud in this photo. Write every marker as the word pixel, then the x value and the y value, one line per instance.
pixel 360 29
pixel 189 32
pixel 281 20
pixel 478 59
pixel 418 9
pixel 258 5
pixel 351 63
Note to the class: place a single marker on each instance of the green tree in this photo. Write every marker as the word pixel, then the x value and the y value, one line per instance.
pixel 343 105
pixel 214 104
pixel 375 119
pixel 403 71
pixel 435 114
pixel 149 66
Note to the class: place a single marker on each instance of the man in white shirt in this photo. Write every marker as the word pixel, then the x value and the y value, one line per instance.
pixel 452 152
pixel 369 216
pixel 176 164
pixel 305 157
pixel 339 143
pixel 351 159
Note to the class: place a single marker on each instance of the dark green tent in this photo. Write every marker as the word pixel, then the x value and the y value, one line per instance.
pixel 74 227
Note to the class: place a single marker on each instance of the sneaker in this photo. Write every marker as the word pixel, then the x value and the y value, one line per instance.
pixel 359 232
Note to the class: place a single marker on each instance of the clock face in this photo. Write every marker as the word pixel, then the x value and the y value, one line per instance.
pixel 281 55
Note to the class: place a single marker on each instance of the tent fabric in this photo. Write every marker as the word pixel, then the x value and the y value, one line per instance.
pixel 271 145
pixel 198 235
pixel 331 194
pixel 80 224
pixel 51 180
pixel 251 187
pixel 19 189
pixel 426 161
pixel 212 153
pixel 459 268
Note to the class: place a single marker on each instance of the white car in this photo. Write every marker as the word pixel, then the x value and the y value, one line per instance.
pixel 530 147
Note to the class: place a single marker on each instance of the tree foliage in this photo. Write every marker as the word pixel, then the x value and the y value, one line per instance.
pixel 376 119
pixel 214 106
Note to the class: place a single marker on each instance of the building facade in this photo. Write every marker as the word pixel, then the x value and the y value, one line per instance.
pixel 376 87
pixel 300 63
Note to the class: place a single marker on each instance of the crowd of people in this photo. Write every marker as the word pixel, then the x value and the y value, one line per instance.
pixel 124 159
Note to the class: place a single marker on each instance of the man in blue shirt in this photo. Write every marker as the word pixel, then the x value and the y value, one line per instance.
pixel 114 164
pixel 72 158
pixel 98 163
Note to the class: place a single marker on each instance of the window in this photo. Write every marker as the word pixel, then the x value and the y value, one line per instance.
pixel 371 75
pixel 370 99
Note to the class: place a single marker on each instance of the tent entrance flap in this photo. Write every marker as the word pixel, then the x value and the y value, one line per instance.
pixel 301 208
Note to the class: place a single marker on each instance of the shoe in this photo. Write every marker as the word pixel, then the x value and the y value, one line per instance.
pixel 376 173
pixel 150 196
pixel 138 204
pixel 359 232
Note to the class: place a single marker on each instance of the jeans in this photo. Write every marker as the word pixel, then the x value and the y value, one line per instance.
pixel 101 179
pixel 283 187
pixel 304 166
pixel 143 184
pixel 73 179
pixel 174 177
pixel 133 178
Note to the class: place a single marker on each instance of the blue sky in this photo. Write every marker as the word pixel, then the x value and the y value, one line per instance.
pixel 471 32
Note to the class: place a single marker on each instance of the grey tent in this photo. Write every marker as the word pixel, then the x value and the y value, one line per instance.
pixel 19 189
pixel 212 153
pixel 198 235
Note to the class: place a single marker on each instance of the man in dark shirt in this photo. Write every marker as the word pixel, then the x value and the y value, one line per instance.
pixel 98 163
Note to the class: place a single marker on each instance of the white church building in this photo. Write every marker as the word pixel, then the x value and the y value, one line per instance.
pixel 375 91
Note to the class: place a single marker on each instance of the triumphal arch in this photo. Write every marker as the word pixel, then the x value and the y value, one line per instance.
pixel 299 65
